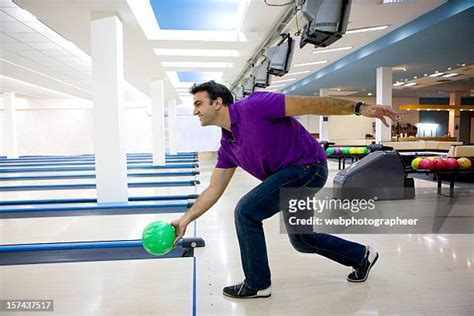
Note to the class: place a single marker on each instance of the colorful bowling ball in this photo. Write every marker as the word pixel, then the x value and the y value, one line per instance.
pixel 365 150
pixel 338 151
pixel 439 164
pixel 415 163
pixel 464 163
pixel 361 150
pixel 425 164
pixel 451 164
pixel 330 151
pixel 345 150
pixel 158 238
pixel 352 150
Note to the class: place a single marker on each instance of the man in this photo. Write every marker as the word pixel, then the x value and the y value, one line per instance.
pixel 260 135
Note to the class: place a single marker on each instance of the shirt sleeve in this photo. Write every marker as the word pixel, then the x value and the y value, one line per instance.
pixel 269 105
pixel 223 160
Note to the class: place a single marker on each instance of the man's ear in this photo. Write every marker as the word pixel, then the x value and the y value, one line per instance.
pixel 219 103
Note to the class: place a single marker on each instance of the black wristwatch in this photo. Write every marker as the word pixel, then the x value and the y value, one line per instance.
pixel 357 108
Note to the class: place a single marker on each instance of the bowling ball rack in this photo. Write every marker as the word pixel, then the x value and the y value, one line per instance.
pixel 440 175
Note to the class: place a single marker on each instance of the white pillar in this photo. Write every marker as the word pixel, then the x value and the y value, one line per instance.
pixel 109 141
pixel 384 97
pixel 454 115
pixel 323 120
pixel 172 126
pixel 10 138
pixel 158 122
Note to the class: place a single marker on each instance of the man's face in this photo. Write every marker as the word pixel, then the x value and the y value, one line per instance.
pixel 205 108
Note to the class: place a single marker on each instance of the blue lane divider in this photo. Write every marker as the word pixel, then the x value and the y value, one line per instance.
pixel 70 246
pixel 185 242
pixel 90 163
pixel 92 176
pixel 94 206
pixel 33 158
pixel 84 186
pixel 4 161
pixel 95 209
pixel 94 200
pixel 24 170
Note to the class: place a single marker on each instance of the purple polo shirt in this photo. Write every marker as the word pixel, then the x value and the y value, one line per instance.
pixel 264 140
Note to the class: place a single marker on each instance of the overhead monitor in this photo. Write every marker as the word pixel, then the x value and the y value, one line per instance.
pixel 280 57
pixel 326 21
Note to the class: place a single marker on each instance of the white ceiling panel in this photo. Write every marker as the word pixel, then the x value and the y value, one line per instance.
pixel 69 59
pixel 14 27
pixel 30 37
pixel 57 53
pixel 7 54
pixel 15 46
pixel 5 17
pixel 44 60
pixel 19 14
pixel 44 46
pixel 6 39
pixel 29 53
pixel 7 4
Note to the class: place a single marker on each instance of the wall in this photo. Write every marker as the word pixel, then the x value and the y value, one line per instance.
pixel 65 127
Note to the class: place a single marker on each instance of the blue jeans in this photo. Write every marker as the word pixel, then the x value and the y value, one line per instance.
pixel 263 202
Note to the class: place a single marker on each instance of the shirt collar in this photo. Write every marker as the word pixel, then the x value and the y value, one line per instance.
pixel 226 135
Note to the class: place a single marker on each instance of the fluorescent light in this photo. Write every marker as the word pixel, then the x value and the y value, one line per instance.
pixel 196 64
pixel 312 63
pixel 145 17
pixel 332 50
pixel 437 74
pixel 450 75
pixel 276 86
pixel 397 84
pixel 197 52
pixel 367 29
pixel 410 84
pixel 396 1
pixel 297 73
pixel 369 94
pixel 284 80
pixel 241 13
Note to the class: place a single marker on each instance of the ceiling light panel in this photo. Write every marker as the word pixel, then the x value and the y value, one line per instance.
pixel 367 29
pixel 194 64
pixel 331 50
pixel 197 52
pixel 311 63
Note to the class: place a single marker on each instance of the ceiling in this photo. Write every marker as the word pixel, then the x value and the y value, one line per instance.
pixel 436 41
pixel 50 47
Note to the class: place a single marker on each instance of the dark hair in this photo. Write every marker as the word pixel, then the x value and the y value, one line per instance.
pixel 215 90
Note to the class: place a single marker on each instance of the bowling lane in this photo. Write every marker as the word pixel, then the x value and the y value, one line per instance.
pixel 138 287
pixel 81 228
pixel 61 194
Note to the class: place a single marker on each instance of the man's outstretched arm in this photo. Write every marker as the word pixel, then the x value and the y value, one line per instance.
pixel 220 178
pixel 301 105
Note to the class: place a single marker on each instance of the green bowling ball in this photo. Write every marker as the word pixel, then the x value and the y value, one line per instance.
pixel 330 151
pixel 158 238
pixel 346 150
